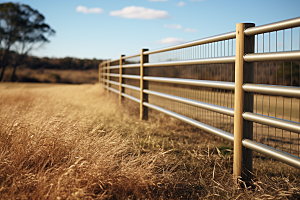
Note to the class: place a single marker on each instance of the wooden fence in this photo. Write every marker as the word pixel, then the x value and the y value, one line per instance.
pixel 242 86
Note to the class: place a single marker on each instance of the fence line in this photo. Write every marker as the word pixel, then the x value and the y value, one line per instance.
pixel 210 95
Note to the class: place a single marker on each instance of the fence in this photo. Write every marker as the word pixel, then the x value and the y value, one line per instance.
pixel 242 86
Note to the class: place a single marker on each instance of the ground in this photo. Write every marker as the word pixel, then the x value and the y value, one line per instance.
pixel 74 141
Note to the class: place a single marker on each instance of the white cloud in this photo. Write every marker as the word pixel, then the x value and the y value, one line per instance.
pixel 174 26
pixel 170 40
pixel 178 26
pixel 86 10
pixel 181 3
pixel 136 12
pixel 189 30
pixel 158 0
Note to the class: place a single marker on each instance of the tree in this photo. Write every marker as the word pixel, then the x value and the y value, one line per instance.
pixel 21 30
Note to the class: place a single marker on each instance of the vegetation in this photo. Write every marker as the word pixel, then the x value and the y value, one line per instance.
pixel 67 63
pixel 21 29
pixel 55 70
pixel 75 142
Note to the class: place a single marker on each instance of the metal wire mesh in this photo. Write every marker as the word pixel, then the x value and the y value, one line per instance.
pixel 214 72
pixel 114 63
pixel 277 73
pixel 133 60
pixel 278 41
pixel 133 82
pixel 210 50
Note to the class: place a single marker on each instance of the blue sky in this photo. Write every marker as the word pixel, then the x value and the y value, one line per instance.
pixel 105 29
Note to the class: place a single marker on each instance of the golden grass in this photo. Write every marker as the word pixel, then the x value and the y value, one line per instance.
pixel 75 142
pixel 53 75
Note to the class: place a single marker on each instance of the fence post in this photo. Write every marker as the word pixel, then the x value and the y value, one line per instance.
pixel 244 73
pixel 143 85
pixel 107 74
pixel 104 75
pixel 121 89
pixel 100 67
pixel 99 73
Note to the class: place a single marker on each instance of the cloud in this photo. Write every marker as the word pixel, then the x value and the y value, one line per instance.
pixel 136 12
pixel 197 0
pixel 178 26
pixel 158 0
pixel 181 3
pixel 86 10
pixel 189 30
pixel 170 40
pixel 174 26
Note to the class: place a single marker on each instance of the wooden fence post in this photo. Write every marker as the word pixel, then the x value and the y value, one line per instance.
pixel 121 89
pixel 99 73
pixel 143 85
pixel 244 73
pixel 107 75
pixel 104 75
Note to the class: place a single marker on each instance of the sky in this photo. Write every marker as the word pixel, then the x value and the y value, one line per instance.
pixel 105 29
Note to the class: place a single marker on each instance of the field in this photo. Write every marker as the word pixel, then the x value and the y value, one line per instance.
pixel 75 142
pixel 53 75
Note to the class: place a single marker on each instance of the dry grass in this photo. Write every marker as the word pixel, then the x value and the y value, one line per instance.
pixel 53 75
pixel 74 142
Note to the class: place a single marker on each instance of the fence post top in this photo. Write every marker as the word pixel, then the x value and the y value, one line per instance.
pixel 246 25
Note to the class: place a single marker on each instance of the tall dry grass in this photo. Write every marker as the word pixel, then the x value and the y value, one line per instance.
pixel 75 142
pixel 70 76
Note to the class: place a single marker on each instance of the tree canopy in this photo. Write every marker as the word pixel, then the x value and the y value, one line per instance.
pixel 22 29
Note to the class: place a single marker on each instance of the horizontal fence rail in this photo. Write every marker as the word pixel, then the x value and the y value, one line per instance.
pixel 272 121
pixel 241 86
pixel 213 84
pixel 290 23
pixel 275 90
pixel 210 129
pixel 278 56
pixel 194 62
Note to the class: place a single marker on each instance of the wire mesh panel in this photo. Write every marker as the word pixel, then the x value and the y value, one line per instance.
pixel 133 82
pixel 278 41
pixel 114 86
pixel 285 73
pixel 209 72
pixel 287 108
pixel 210 50
pixel 114 63
pixel 133 60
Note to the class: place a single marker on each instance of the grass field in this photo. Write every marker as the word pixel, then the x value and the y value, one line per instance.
pixel 75 142
pixel 53 75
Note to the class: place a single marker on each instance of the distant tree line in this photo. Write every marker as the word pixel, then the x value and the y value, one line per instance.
pixel 33 62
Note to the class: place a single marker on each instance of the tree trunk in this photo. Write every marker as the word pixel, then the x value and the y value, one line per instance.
pixel 13 76
pixel 4 63
pixel 19 59
pixel 2 73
